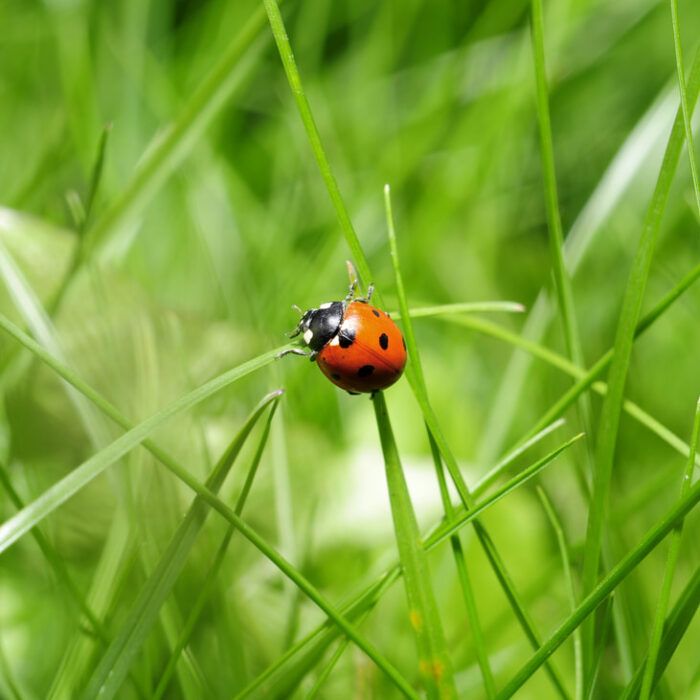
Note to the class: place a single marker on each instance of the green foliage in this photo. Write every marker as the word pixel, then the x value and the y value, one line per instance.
pixel 161 208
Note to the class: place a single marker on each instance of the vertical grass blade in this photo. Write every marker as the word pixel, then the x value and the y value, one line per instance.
pixel 684 101
pixel 287 56
pixel 414 372
pixel 109 675
pixel 434 663
pixel 561 276
pixel 564 552
pixel 622 350
pixel 673 551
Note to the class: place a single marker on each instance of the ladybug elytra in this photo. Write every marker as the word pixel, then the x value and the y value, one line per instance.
pixel 357 346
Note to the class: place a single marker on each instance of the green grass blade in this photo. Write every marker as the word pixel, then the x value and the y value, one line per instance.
pixel 624 338
pixel 210 578
pixel 462 307
pixel 684 102
pixel 53 497
pixel 414 373
pixel 562 280
pixel 109 675
pixel 433 660
pixel 566 564
pixel 560 362
pixel 287 56
pixel 604 588
pixel 675 628
pixel 497 470
pixel 464 516
pixel 167 152
pixel 673 551
pixel 463 575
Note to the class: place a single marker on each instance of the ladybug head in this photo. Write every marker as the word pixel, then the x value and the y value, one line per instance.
pixel 319 326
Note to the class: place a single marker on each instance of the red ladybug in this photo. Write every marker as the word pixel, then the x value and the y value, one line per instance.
pixel 357 346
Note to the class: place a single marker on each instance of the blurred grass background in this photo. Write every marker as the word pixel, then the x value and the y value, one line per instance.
pixel 198 273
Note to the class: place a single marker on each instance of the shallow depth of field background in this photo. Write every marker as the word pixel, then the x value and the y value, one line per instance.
pixel 436 99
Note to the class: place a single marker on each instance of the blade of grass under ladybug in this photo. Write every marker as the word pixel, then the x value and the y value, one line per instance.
pixel 304 654
pixel 561 363
pixel 108 676
pixel 622 350
pixel 434 664
pixel 555 522
pixel 673 551
pixel 604 588
pixel 414 373
pixel 675 627
pixel 136 434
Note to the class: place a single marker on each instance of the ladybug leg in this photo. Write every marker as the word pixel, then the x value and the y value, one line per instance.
pixel 297 351
pixel 351 293
pixel 366 300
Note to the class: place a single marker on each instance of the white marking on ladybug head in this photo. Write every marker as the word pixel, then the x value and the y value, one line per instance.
pixel 335 341
pixel 308 334
pixel 327 305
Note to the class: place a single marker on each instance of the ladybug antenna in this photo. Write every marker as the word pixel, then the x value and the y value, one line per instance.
pixel 294 306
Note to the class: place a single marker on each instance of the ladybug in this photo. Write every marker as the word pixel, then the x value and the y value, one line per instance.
pixel 357 346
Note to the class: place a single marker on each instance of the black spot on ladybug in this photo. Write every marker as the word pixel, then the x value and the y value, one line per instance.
pixel 365 370
pixel 335 376
pixel 384 341
pixel 403 340
pixel 375 312
pixel 346 337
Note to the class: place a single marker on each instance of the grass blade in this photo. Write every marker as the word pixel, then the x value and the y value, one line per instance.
pixel 566 564
pixel 674 629
pixel 433 660
pixel 684 102
pixel 210 578
pixel 109 675
pixel 673 551
pixel 414 372
pixel 604 588
pixel 52 498
pixel 631 305
pixel 287 56
pixel 166 152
